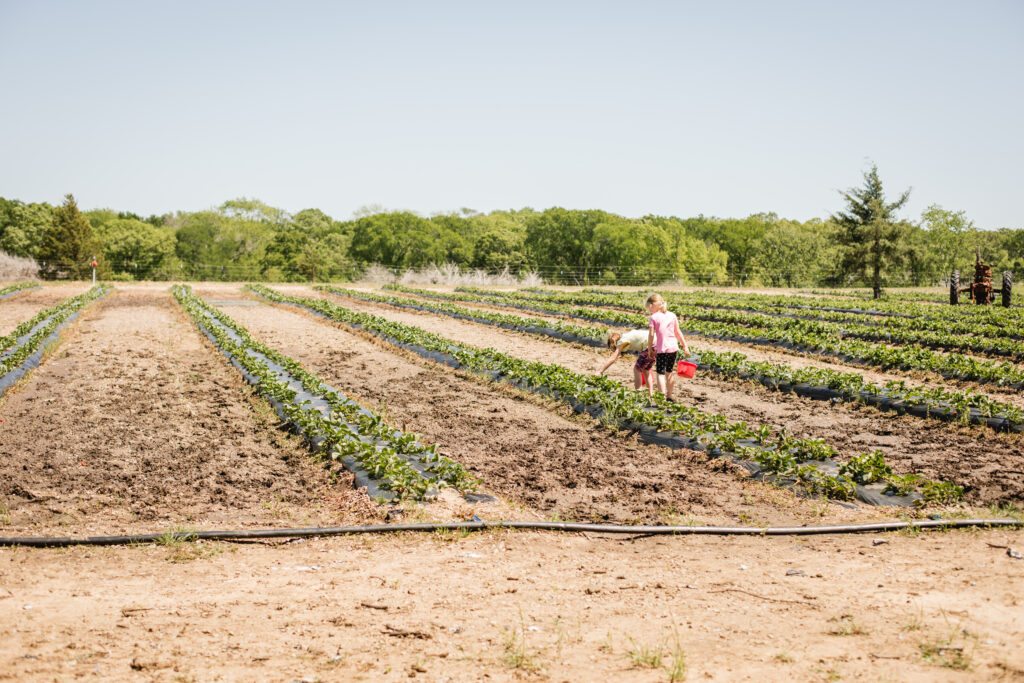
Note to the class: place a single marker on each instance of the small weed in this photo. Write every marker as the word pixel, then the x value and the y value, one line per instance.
pixel 5 513
pixel 643 656
pixel 564 635
pixel 946 652
pixel 915 622
pixel 937 652
pixel 176 537
pixel 517 655
pixel 450 535
pixel 677 664
pixel 783 657
pixel 846 626
pixel 195 551
pixel 1008 510
pixel 671 517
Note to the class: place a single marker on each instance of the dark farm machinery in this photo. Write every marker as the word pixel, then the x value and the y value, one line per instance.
pixel 981 290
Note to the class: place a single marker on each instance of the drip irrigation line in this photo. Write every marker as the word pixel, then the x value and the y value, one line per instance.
pixel 572 527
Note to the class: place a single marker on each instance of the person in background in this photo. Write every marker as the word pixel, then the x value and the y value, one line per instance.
pixel 633 340
pixel 664 338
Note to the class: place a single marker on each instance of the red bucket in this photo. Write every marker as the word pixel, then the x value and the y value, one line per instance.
pixel 686 369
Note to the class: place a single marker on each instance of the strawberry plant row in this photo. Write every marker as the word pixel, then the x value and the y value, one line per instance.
pixel 23 348
pixel 17 288
pixel 851 351
pixel 894 307
pixel 588 336
pixel 813 382
pixel 806 463
pixel 945 335
pixel 390 463
pixel 1005 326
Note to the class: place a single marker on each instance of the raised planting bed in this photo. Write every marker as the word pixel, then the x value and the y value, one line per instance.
pixel 389 463
pixel 973 335
pixel 849 351
pixel 1006 326
pixel 804 463
pixel 22 350
pixel 822 384
pixel 17 288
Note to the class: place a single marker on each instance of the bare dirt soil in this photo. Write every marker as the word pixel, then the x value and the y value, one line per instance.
pixel 172 437
pixel 16 309
pixel 520 606
pixel 989 465
pixel 135 419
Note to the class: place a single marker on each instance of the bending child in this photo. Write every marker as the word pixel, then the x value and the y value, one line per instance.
pixel 664 338
pixel 634 340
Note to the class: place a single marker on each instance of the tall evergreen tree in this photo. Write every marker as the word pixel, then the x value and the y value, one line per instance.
pixel 873 238
pixel 69 244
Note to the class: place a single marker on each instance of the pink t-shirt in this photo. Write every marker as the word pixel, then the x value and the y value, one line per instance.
pixel 664 326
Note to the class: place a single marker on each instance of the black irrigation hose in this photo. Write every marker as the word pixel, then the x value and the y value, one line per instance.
pixel 643 530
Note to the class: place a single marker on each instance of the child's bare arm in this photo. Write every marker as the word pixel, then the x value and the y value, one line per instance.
pixel 682 342
pixel 615 357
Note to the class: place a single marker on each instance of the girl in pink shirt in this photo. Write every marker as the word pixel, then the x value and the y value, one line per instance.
pixel 665 338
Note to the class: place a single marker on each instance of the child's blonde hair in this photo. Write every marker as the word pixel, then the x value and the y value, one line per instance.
pixel 659 303
pixel 613 338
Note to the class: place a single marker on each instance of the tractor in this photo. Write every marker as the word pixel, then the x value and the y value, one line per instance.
pixel 981 290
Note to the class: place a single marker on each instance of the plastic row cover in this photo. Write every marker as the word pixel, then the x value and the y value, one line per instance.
pixel 33 360
pixel 940 411
pixel 316 402
pixel 546 331
pixel 871 494
pixel 19 291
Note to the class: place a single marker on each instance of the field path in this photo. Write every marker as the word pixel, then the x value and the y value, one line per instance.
pixel 519 607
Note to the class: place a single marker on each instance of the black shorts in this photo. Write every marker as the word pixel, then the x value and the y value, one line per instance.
pixel 666 363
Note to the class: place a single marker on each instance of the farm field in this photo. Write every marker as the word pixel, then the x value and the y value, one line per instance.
pixel 135 422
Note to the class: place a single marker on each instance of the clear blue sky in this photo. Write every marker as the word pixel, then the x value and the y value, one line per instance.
pixel 720 108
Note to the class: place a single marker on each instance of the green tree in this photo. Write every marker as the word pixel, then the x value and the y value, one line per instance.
pixel 22 226
pixel 562 241
pixel 398 239
pixel 949 233
pixel 691 259
pixel 136 248
pixel 496 249
pixel 792 254
pixel 69 245
pixel 212 245
pixel 873 238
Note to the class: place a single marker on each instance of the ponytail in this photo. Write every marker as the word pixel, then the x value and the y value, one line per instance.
pixel 659 303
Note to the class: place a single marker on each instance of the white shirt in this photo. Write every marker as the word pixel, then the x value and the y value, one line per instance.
pixel 635 340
